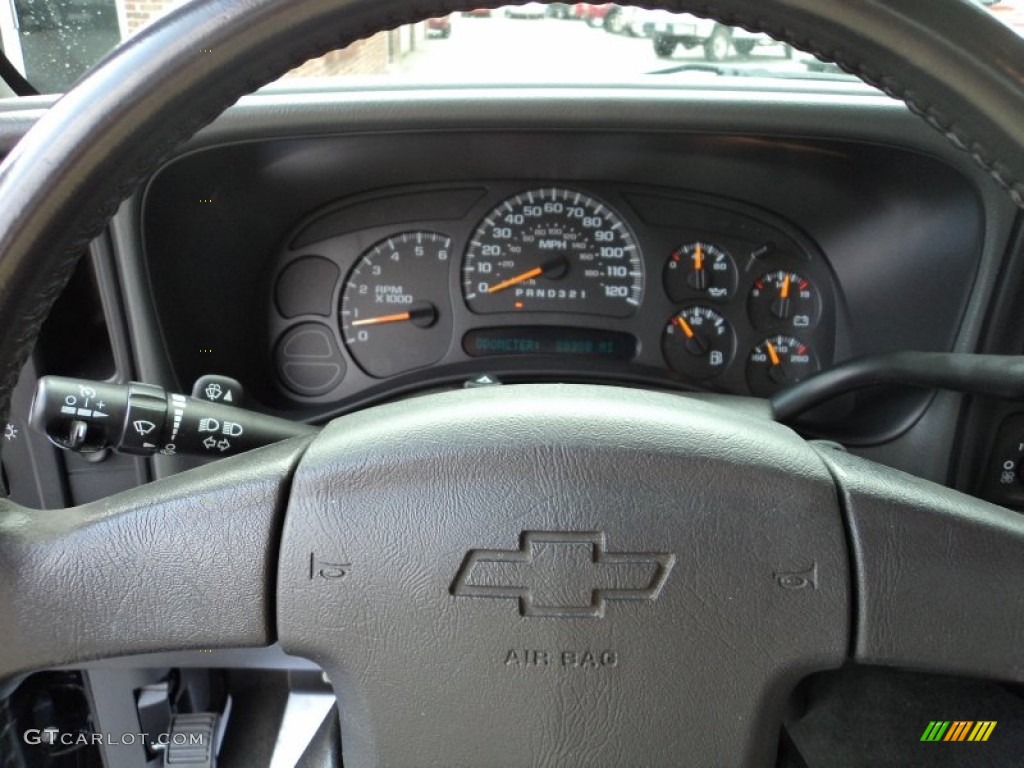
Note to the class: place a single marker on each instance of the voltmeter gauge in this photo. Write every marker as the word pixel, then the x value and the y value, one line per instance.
pixel 784 299
pixel 700 269
pixel 777 362
pixel 698 342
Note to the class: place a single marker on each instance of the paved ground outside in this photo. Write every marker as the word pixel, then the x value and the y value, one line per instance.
pixel 499 49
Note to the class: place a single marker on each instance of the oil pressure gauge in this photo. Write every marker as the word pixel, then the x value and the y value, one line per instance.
pixel 784 299
pixel 698 342
pixel 700 269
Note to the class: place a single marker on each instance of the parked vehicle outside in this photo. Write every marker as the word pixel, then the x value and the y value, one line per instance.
pixel 440 26
pixel 593 13
pixel 527 11
pixel 559 10
pixel 670 30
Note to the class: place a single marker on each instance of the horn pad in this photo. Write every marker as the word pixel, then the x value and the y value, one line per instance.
pixel 560 574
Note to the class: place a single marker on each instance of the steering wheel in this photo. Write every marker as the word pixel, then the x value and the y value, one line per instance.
pixel 543 574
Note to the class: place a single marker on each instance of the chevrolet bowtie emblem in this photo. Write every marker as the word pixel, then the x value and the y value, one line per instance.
pixel 562 574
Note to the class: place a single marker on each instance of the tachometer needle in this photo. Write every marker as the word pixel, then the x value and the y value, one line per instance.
pixel 685 326
pixel 773 354
pixel 535 272
pixel 400 317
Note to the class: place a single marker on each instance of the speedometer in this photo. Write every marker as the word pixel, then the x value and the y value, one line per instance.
pixel 553 250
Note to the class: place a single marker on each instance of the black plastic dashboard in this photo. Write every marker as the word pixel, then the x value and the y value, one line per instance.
pixel 887 241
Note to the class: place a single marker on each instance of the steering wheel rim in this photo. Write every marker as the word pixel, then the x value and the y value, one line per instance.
pixel 63 181
pixel 110 131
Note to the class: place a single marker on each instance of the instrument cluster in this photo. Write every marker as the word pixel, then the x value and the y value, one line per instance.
pixel 527 281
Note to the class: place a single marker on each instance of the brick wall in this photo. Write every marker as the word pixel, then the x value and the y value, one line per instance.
pixel 365 57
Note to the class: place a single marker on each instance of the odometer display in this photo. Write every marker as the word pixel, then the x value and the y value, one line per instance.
pixel 545 340
pixel 553 250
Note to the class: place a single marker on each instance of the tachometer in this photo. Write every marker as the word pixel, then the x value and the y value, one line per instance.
pixel 553 250
pixel 393 306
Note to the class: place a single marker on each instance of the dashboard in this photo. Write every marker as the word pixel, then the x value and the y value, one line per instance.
pixel 248 252
pixel 541 279
pixel 290 263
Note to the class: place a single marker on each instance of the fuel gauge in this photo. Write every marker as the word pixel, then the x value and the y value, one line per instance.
pixel 698 342
pixel 700 269
pixel 777 362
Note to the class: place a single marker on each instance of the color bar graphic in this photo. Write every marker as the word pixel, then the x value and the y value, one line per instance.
pixel 935 731
pixel 958 730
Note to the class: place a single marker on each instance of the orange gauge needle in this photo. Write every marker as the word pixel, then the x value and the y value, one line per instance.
pixel 785 288
pixel 681 322
pixel 773 354
pixel 535 272
pixel 401 317
pixel 698 258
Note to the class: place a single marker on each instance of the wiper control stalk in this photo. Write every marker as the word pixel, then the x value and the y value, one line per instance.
pixel 144 419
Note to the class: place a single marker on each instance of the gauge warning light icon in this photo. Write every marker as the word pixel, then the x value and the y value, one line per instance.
pixel 562 574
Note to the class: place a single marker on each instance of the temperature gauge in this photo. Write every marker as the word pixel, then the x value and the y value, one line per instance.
pixel 779 361
pixel 784 299
pixel 700 269
pixel 698 342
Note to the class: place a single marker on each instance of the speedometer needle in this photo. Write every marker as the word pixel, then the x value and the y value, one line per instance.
pixel 400 317
pixel 535 272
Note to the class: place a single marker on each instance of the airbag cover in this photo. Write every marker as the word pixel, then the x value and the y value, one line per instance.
pixel 559 574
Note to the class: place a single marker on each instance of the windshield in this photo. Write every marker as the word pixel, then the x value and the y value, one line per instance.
pixel 53 42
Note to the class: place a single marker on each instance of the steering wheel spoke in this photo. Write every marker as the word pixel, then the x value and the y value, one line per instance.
pixel 937 573
pixel 182 563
